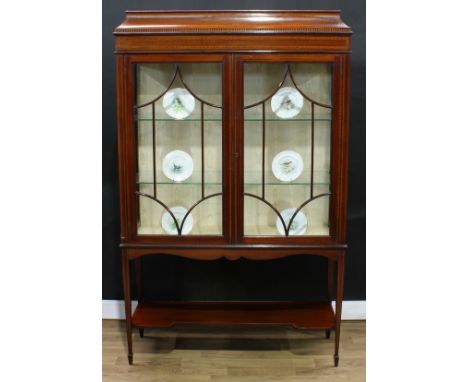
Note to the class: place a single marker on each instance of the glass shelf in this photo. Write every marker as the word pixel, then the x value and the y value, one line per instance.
pixel 148 119
pixel 214 178
pixel 245 183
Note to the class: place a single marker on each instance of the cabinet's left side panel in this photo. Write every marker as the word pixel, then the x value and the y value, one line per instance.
pixel 121 93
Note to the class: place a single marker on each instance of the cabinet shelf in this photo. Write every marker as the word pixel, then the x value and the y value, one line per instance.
pixel 321 179
pixel 300 315
pixel 245 183
pixel 149 119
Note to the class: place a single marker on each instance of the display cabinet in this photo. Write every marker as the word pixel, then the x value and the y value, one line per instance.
pixel 232 142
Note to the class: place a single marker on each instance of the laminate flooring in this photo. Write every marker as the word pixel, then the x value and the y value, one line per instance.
pixel 231 354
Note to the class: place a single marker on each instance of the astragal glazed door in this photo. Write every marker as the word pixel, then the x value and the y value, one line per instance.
pixel 179 134
pixel 288 113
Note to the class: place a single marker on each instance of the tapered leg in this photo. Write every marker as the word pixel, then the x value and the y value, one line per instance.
pixel 331 279
pixel 139 287
pixel 128 304
pixel 339 301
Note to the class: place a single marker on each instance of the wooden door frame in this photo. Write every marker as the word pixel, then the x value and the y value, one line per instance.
pixel 338 146
pixel 128 153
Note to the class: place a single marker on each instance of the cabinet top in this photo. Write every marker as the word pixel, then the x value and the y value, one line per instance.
pixel 231 22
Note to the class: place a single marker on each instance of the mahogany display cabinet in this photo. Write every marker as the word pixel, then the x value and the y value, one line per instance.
pixel 233 142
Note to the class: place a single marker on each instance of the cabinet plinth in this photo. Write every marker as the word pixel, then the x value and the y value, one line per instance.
pixel 233 142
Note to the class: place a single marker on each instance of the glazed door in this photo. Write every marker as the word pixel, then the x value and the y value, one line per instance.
pixel 288 113
pixel 179 121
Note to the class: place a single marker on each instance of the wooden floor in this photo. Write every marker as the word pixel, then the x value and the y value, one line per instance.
pixel 221 354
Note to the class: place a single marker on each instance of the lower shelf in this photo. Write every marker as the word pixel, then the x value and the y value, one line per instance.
pixel 300 315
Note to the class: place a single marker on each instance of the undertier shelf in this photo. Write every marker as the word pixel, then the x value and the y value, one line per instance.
pixel 300 315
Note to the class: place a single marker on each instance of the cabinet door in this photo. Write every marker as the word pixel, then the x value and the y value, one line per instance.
pixel 289 114
pixel 180 131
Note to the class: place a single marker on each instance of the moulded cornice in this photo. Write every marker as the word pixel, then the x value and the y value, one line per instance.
pixel 231 22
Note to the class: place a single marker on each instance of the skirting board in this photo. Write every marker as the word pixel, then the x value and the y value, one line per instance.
pixel 114 310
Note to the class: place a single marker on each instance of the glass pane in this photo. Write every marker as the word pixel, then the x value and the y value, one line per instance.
pixel 287 130
pixel 179 145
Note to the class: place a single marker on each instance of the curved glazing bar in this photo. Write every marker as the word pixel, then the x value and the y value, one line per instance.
pixel 302 206
pixel 178 73
pixel 194 95
pixel 196 204
pixel 179 229
pixel 305 95
pixel 281 83
pixel 287 72
pixel 286 229
pixel 171 82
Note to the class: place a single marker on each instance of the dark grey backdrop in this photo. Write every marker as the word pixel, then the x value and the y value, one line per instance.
pixel 297 277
